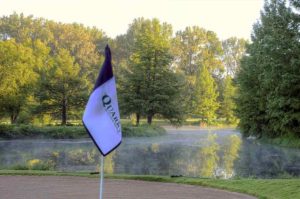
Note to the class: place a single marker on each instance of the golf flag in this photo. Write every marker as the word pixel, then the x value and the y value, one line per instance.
pixel 101 117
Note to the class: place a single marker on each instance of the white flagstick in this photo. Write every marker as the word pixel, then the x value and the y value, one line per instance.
pixel 101 176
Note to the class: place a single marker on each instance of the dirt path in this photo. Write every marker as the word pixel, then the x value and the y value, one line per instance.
pixel 55 187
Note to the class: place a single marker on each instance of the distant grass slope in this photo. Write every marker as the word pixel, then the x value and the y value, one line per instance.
pixel 71 132
pixel 261 188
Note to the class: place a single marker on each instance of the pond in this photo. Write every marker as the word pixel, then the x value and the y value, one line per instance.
pixel 182 152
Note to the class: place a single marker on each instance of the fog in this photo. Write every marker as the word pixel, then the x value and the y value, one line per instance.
pixel 183 152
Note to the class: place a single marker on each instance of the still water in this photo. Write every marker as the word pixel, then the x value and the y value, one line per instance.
pixel 183 152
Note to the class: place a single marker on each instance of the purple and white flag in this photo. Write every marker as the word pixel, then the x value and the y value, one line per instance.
pixel 101 117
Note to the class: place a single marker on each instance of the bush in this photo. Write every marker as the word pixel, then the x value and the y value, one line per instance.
pixel 34 164
pixel 26 131
pixel 142 130
pixel 71 132
pixel 19 167
pixel 37 164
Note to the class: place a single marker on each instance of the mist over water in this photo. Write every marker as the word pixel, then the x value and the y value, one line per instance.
pixel 183 152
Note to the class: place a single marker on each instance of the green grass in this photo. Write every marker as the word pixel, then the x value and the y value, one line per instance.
pixel 142 130
pixel 187 122
pixel 71 132
pixel 261 188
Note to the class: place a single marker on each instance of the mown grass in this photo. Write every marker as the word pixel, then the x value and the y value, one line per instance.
pixel 71 132
pixel 261 188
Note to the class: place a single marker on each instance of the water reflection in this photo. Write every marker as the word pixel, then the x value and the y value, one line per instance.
pixel 267 161
pixel 231 153
pixel 209 157
pixel 219 153
pixel 109 163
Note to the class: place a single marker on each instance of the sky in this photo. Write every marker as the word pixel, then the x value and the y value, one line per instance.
pixel 225 17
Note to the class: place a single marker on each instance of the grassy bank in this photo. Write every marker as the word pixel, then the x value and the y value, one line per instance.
pixel 262 188
pixel 70 132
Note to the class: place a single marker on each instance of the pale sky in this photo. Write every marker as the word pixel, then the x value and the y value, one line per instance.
pixel 225 17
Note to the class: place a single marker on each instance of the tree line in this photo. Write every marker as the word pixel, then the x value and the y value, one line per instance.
pixel 48 68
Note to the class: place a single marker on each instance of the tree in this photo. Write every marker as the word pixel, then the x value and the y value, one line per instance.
pixel 228 105
pixel 206 93
pixel 16 77
pixel 249 109
pixel 269 92
pixel 82 42
pixel 193 48
pixel 62 89
pixel 23 28
pixel 234 49
pixel 122 47
pixel 46 39
pixel 151 87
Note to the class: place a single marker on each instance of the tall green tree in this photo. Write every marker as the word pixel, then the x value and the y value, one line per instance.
pixel 151 87
pixel 192 48
pixel 46 39
pixel 62 89
pixel 23 28
pixel 228 104
pixel 122 48
pixel 206 93
pixel 17 78
pixel 268 101
pixel 82 42
pixel 234 49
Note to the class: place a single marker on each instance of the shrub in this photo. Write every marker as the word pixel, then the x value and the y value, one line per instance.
pixel 37 164
pixel 71 132
pixel 142 130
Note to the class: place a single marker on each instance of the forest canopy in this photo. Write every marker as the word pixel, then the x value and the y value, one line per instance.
pixel 48 69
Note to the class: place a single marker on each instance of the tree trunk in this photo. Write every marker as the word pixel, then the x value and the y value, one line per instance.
pixel 14 113
pixel 64 112
pixel 149 119
pixel 13 118
pixel 138 119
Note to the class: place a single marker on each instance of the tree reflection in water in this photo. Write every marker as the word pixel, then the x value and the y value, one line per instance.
pixel 219 154
pixel 209 157
pixel 109 164
pixel 218 160
pixel 231 150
